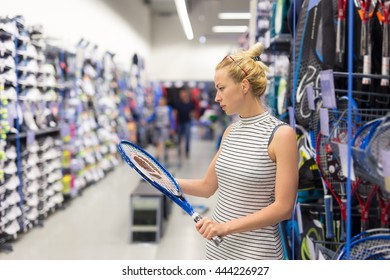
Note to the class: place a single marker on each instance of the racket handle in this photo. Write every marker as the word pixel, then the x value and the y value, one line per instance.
pixel 340 40
pixel 385 40
pixel 343 219
pixel 365 38
pixel 216 239
pixel 366 69
pixel 328 203
pixel 385 53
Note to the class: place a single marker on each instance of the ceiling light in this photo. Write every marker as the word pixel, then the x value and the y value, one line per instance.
pixel 230 28
pixel 234 15
pixel 184 19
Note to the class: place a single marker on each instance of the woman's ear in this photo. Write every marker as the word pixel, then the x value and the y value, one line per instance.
pixel 245 86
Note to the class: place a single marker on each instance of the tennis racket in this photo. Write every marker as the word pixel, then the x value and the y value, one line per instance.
pixel 366 10
pixel 332 177
pixel 157 176
pixel 384 17
pixel 380 141
pixel 366 247
pixel 365 191
pixel 340 34
pixel 384 204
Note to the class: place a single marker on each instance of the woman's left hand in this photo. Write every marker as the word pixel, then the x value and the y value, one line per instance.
pixel 209 228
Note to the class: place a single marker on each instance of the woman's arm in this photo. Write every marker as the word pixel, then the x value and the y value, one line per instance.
pixel 283 150
pixel 206 186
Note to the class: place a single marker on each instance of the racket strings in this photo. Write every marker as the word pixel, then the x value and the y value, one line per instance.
pixel 324 154
pixel 147 165
pixel 380 141
pixel 368 247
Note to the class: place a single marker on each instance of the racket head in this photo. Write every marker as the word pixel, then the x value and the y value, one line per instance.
pixel 384 11
pixel 363 248
pixel 371 232
pixel 380 141
pixel 365 133
pixel 153 172
pixel 325 158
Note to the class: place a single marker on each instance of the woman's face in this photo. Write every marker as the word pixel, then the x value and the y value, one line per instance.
pixel 229 94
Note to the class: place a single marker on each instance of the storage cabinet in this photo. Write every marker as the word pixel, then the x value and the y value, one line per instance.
pixel 146 214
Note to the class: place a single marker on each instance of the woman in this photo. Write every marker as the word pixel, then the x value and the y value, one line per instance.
pixel 255 169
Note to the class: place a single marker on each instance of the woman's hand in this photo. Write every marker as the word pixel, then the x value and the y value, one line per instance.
pixel 209 228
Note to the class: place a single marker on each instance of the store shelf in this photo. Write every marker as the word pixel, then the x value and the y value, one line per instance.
pixel 280 43
pixel 23 135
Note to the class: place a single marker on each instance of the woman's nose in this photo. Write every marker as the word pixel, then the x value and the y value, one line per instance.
pixel 217 98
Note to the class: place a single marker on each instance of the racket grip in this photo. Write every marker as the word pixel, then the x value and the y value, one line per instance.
pixel 365 38
pixel 328 203
pixel 366 69
pixel 385 40
pixel 340 40
pixel 216 239
pixel 385 54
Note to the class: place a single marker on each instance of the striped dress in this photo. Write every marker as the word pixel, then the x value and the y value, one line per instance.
pixel 246 183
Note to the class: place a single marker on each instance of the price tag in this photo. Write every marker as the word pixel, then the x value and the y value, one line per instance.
pixel 291 116
pixel 343 151
pixel 386 168
pixel 324 121
pixel 30 137
pixel 65 130
pixel 310 96
pixel 12 113
pixel 327 89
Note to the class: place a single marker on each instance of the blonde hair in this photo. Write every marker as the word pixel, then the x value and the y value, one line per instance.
pixel 246 65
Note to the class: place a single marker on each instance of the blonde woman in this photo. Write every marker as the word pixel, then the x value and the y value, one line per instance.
pixel 255 169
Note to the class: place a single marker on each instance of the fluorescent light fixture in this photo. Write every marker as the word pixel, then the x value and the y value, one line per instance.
pixel 234 15
pixel 230 28
pixel 184 19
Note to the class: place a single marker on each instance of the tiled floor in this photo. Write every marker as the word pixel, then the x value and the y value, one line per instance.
pixel 96 224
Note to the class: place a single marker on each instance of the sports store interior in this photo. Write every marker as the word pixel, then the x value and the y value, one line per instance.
pixel 78 76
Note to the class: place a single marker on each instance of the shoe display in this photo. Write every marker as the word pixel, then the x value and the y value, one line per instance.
pixel 60 119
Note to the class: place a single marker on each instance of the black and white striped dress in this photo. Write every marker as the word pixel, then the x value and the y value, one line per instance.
pixel 246 183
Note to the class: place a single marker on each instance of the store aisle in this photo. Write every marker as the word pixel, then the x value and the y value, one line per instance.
pixel 96 224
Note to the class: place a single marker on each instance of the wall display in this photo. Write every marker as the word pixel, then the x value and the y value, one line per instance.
pixel 60 117
pixel 326 206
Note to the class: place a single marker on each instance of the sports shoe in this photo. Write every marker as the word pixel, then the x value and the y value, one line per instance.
pixel 28 51
pixel 47 69
pixel 32 187
pixel 9 77
pixel 10 152
pixel 10 168
pixel 11 182
pixel 7 63
pixel 32 214
pixel 28 80
pixel 8 28
pixel 12 228
pixel 10 93
pixel 7 47
pixel 28 65
pixel 13 198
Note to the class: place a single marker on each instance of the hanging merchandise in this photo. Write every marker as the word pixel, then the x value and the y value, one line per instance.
pixel 279 18
pixel 384 17
pixel 335 200
pixel 312 53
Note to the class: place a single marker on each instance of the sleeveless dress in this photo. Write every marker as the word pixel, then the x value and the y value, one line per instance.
pixel 246 183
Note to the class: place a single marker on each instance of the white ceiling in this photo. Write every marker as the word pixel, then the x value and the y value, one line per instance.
pixel 203 14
